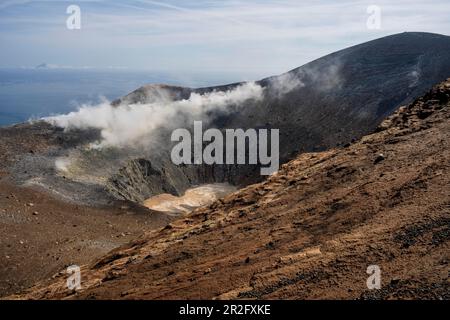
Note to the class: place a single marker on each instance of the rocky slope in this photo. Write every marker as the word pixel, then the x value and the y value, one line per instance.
pixel 309 231
pixel 41 232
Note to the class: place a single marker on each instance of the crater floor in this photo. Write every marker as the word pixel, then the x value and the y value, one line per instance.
pixel 192 198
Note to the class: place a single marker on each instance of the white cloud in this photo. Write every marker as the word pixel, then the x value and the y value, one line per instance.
pixel 265 36
pixel 136 123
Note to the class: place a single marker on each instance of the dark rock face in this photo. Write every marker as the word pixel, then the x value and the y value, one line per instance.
pixel 336 98
pixel 140 179
pixel 323 104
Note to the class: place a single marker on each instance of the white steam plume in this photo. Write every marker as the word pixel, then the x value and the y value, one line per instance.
pixel 285 83
pixel 129 124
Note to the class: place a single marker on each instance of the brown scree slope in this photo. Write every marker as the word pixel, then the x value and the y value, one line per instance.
pixel 42 233
pixel 308 232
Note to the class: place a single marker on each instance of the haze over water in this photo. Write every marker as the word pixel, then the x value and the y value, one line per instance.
pixel 34 93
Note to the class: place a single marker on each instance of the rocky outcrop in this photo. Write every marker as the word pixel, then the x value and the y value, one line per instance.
pixel 141 179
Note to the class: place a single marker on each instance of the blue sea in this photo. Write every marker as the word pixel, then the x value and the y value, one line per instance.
pixel 32 93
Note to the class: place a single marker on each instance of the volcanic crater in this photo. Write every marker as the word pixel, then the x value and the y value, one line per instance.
pixel 327 104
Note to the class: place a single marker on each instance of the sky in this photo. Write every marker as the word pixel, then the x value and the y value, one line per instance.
pixel 249 38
